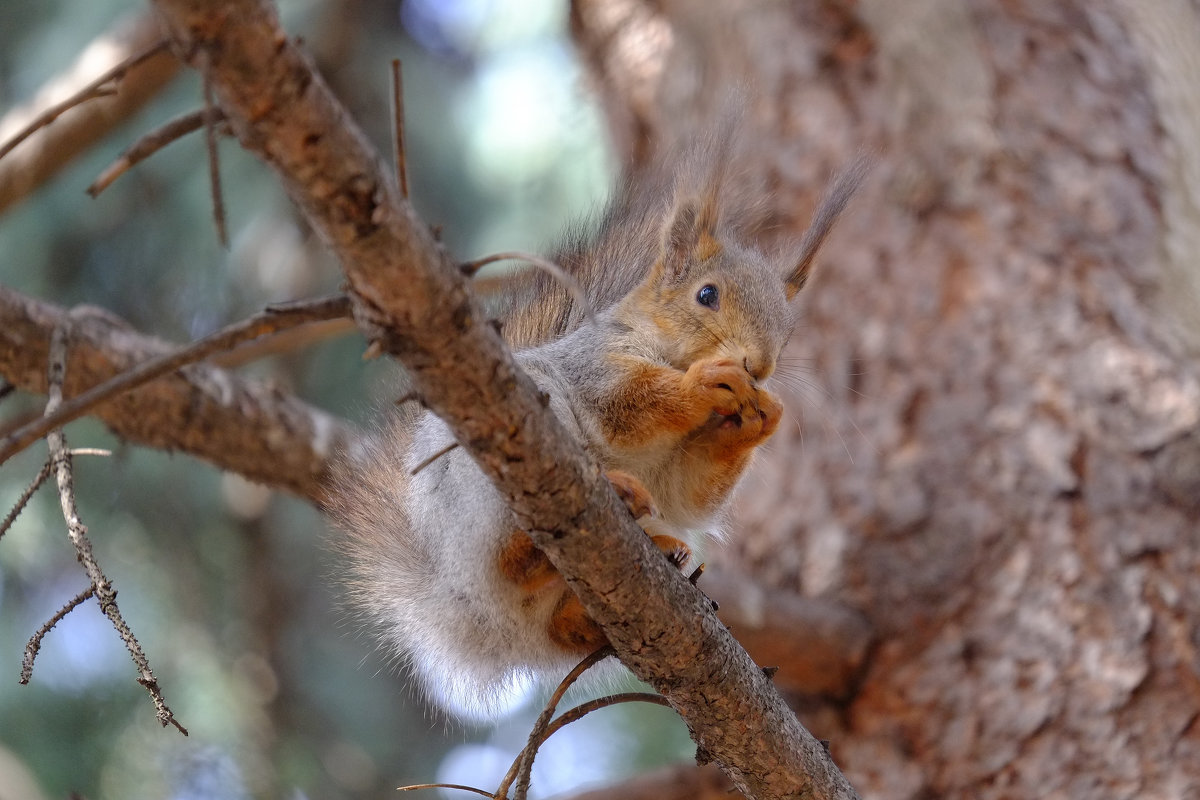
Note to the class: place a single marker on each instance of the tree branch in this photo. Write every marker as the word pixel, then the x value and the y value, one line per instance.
pixel 237 425
pixel 34 645
pixel 38 159
pixel 411 299
pixel 102 86
pixel 275 318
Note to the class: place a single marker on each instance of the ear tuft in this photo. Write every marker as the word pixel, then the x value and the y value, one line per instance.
pixel 828 210
pixel 690 235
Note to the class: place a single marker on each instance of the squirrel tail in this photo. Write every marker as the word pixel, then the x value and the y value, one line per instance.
pixel 419 587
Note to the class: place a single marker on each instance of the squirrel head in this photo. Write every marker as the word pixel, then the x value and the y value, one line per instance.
pixel 707 297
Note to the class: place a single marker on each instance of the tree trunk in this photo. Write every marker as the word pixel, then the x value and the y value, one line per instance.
pixel 995 452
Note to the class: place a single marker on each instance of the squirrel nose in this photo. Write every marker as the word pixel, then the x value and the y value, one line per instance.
pixel 758 370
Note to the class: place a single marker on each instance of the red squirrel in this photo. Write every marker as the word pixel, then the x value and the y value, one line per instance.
pixel 665 383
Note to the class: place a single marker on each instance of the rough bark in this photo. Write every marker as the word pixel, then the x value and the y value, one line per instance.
pixel 414 303
pixel 1004 471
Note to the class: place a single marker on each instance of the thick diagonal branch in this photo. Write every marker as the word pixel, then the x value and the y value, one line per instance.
pixel 414 301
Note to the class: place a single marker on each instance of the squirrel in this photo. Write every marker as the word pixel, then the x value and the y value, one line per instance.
pixel 663 379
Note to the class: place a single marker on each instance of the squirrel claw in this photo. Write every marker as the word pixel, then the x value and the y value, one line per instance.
pixel 676 550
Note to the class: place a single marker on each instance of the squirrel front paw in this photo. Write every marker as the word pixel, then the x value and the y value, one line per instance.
pixel 756 424
pixel 718 386
pixel 723 388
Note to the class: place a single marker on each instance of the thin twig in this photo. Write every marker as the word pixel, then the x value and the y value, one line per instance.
pixel 398 111
pixel 537 733
pixel 90 451
pixel 60 458
pixel 522 789
pixel 93 90
pixel 35 642
pixel 271 320
pixel 214 162
pixel 307 335
pixel 459 786
pixel 545 265
pixel 19 506
pixel 433 458
pixel 584 709
pixel 151 143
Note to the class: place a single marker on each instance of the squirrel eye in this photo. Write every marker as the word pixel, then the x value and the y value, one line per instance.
pixel 708 296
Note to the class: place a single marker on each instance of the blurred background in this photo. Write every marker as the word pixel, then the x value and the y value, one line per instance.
pixel 232 589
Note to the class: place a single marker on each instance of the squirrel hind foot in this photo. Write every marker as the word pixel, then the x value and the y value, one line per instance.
pixel 572 629
pixel 676 550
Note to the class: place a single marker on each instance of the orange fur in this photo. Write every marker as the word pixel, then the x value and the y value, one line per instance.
pixel 676 550
pixel 707 247
pixel 521 562
pixel 571 628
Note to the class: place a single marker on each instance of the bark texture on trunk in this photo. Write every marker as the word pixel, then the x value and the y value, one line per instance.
pixel 995 446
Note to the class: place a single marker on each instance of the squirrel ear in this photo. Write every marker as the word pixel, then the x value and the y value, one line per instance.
pixel 799 274
pixel 690 235
pixel 828 210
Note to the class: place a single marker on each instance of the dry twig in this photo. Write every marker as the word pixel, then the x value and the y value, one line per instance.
pixel 398 111
pixel 60 459
pixel 433 458
pixel 580 711
pixel 211 112
pixel 271 320
pixel 97 88
pixel 537 733
pixel 458 786
pixel 151 143
pixel 543 728
pixel 556 272
pixel 35 641
pixel 19 506
pixel 40 157
pixel 235 423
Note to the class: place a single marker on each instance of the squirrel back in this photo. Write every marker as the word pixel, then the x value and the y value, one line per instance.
pixel 666 386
